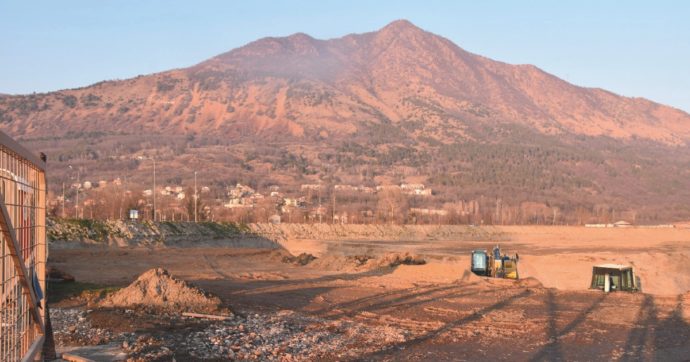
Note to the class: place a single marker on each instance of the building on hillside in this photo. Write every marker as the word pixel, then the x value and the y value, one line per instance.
pixel 340 218
pixel 428 212
pixel 380 188
pixel 242 196
pixel 420 192
pixel 345 188
pixel 366 189
pixel 598 225
pixel 410 187
pixel 622 224
pixel 288 203
pixel 313 187
pixel 240 191
pixel 415 189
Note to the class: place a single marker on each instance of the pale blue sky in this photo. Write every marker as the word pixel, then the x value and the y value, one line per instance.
pixel 633 48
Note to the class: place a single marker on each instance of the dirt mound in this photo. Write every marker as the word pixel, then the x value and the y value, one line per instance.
pixel 367 262
pixel 158 289
pixel 302 259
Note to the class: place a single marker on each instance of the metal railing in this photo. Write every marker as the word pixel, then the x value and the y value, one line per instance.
pixel 23 252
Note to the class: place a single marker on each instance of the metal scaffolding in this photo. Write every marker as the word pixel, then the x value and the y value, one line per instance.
pixel 23 252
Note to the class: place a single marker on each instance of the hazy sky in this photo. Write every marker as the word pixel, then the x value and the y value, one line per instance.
pixel 633 48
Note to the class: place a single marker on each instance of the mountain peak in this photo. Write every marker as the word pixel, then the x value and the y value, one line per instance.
pixel 401 28
pixel 400 25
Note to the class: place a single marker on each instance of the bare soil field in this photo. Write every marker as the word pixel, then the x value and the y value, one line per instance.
pixel 338 307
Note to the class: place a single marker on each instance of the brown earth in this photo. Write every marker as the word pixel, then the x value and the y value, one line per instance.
pixel 444 311
pixel 158 289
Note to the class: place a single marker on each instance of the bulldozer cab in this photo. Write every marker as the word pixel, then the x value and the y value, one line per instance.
pixel 614 277
pixel 480 263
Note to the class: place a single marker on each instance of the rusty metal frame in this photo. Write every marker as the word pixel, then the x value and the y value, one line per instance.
pixel 22 231
pixel 21 151
pixel 8 232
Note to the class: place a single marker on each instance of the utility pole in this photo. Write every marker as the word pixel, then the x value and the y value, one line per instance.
pixel 319 202
pixel 154 188
pixel 63 199
pixel 76 205
pixel 196 200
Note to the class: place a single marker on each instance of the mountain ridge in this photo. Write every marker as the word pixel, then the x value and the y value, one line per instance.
pixel 390 62
pixel 386 106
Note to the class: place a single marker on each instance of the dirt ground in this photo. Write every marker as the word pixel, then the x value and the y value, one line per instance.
pixel 443 311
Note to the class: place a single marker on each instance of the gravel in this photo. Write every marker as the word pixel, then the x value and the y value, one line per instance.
pixel 276 336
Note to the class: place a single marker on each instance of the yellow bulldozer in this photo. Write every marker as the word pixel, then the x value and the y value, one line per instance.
pixel 494 264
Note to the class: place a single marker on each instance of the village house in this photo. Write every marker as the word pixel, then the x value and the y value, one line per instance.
pixel 313 187
pixel 415 189
pixel 242 196
pixel 387 188
pixel 340 218
pixel 345 188
pixel 366 189
pixel 292 202
pixel 411 187
pixel 240 191
pixel 428 212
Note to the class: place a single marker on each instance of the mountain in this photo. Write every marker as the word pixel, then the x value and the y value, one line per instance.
pixel 382 107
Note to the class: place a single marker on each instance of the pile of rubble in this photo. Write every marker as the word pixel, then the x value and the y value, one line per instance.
pixel 301 259
pixel 280 336
pixel 151 321
pixel 71 327
pixel 156 288
pixel 365 262
pixel 287 336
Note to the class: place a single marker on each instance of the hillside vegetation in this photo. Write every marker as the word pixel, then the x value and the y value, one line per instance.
pixel 396 105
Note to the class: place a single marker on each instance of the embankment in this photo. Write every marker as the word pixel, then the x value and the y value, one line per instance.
pixel 115 233
pixel 69 233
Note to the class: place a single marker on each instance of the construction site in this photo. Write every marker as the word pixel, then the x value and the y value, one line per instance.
pixel 193 292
